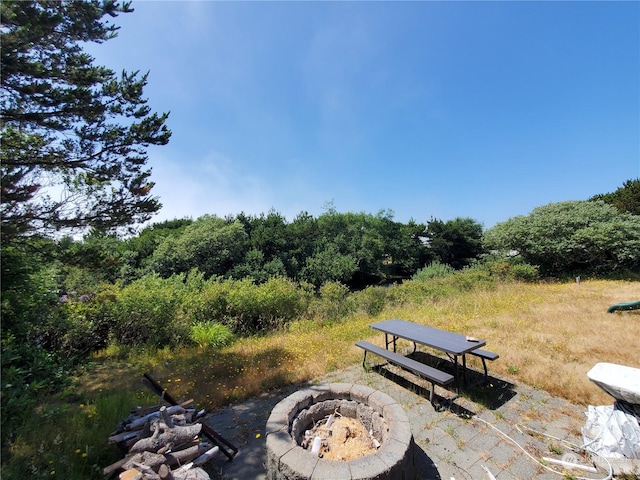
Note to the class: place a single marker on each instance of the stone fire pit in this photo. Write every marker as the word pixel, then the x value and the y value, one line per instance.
pixel 287 460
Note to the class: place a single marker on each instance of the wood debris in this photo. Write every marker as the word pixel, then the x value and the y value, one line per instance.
pixel 161 443
pixel 165 442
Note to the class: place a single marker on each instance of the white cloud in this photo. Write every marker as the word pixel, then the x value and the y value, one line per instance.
pixel 210 185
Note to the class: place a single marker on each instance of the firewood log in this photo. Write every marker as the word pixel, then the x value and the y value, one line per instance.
pixel 166 417
pixel 205 457
pixel 190 474
pixel 181 457
pixel 176 435
pixel 122 437
pixel 131 474
pixel 152 460
pixel 147 472
pixel 137 423
pixel 165 473
pixel 107 471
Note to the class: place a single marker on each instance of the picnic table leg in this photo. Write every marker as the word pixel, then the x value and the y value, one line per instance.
pixel 464 369
pixel 393 341
pixel 457 371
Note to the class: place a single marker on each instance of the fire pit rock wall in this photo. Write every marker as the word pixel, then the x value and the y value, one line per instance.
pixel 287 460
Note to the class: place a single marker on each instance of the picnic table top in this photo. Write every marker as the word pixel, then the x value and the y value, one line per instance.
pixel 449 342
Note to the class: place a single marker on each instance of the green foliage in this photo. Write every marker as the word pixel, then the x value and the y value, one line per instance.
pixel 569 238
pixel 371 300
pixel 382 249
pixel 67 440
pixel 81 327
pixel 525 272
pixel 433 270
pixel 470 279
pixel 255 267
pixel 147 311
pixel 211 335
pixel 210 244
pixel 334 302
pixel 249 308
pixel 508 268
pixel 28 373
pixel 626 198
pixel 211 302
pixel 328 265
pixel 457 242
pixel 67 123
pixel 254 308
pixel 31 329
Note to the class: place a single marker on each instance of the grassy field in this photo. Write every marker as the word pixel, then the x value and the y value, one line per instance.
pixel 548 336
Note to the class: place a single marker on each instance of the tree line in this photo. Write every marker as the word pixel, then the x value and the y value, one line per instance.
pixel 356 249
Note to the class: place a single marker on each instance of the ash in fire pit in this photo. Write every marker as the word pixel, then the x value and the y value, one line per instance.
pixel 340 438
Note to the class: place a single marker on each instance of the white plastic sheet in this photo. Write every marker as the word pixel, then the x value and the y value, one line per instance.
pixel 612 432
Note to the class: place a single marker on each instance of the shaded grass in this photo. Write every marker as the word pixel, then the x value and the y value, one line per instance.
pixel 548 336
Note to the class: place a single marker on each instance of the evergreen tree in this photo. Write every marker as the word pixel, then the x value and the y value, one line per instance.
pixel 626 198
pixel 74 134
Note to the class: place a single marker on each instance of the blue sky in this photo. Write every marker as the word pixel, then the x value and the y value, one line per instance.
pixel 428 109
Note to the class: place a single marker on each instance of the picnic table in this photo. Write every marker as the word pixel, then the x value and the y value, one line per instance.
pixel 454 345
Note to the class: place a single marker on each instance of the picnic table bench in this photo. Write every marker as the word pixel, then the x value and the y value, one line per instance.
pixel 425 371
pixel 454 345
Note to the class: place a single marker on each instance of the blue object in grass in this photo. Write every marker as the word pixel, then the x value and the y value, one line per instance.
pixel 624 306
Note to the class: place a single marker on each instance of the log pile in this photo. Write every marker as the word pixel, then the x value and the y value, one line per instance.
pixel 162 443
pixel 165 443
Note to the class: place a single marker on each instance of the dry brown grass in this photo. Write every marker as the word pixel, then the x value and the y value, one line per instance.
pixel 548 336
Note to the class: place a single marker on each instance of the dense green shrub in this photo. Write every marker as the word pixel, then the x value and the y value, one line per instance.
pixel 569 238
pixel 253 308
pixel 525 272
pixel 433 270
pixel 505 268
pixel 211 335
pixel 417 292
pixel 371 300
pixel 149 311
pixel 333 302
pixel 82 327
pixel 471 278
pixel 248 308
pixel 211 302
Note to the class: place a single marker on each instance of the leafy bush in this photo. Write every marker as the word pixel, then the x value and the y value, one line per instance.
pixel 572 237
pixel 249 308
pixel 211 335
pixel 211 302
pixel 253 308
pixel 328 265
pixel 512 269
pixel 414 292
pixel 371 300
pixel 334 301
pixel 82 327
pixel 148 311
pixel 471 278
pixel 433 270
pixel 419 291
pixel 525 272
